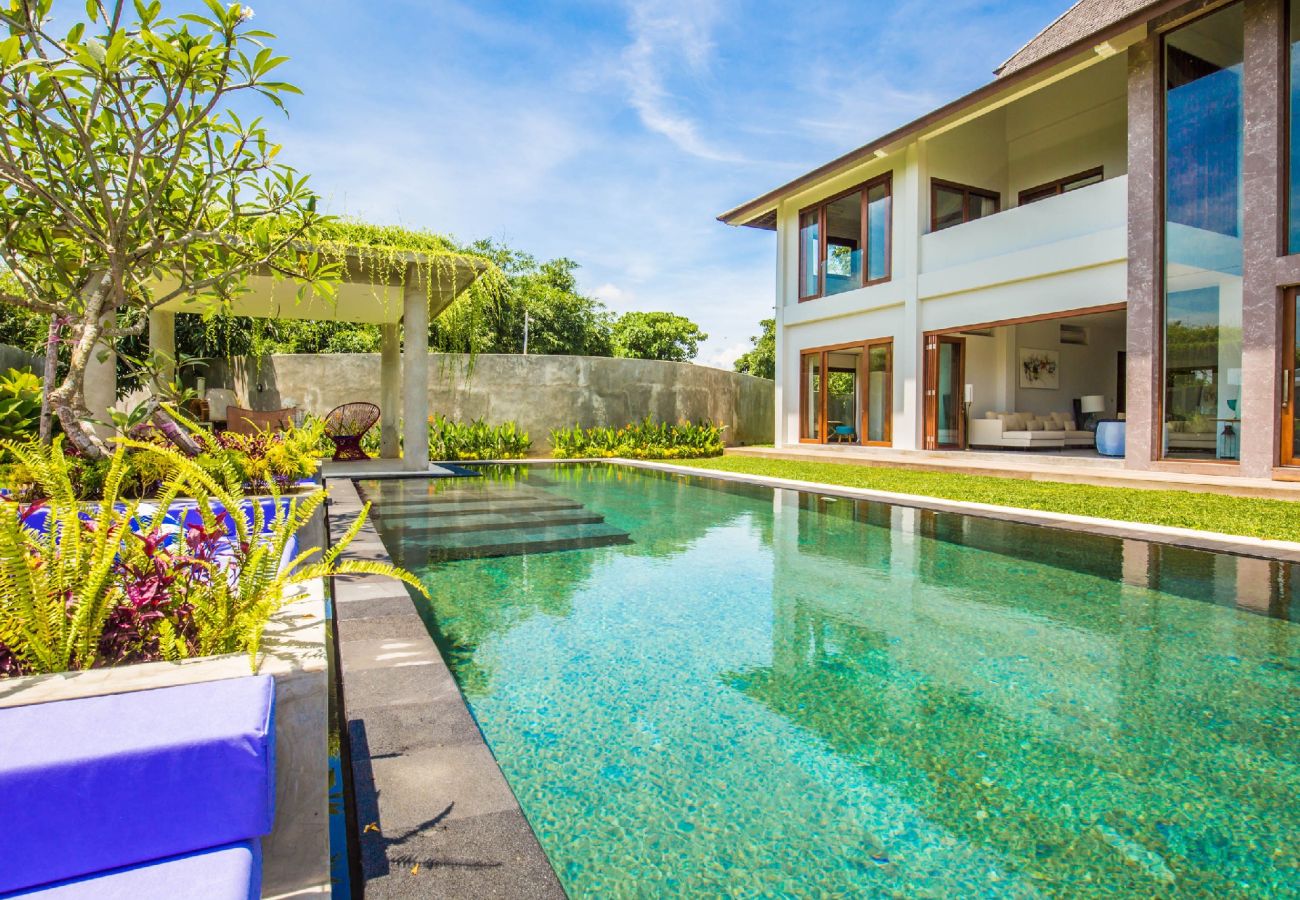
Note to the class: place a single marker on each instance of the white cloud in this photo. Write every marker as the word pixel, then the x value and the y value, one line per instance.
pixel 723 358
pixel 612 294
pixel 666 34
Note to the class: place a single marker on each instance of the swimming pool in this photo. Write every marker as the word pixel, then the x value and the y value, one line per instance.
pixel 698 687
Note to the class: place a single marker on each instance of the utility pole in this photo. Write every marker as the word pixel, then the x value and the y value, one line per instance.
pixel 525 332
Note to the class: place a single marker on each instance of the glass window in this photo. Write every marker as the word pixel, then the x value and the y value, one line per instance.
pixel 949 207
pixel 879 215
pixel 1293 187
pixel 1203 257
pixel 952 204
pixel 843 395
pixel 844 243
pixel 809 252
pixel 811 413
pixel 1061 186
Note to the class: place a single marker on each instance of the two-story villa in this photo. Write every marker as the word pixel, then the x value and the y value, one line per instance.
pixel 1109 229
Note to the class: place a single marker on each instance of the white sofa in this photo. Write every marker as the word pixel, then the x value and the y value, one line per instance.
pixel 1028 431
pixel 1198 434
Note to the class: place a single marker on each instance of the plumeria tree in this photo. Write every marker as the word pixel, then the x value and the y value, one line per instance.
pixel 128 177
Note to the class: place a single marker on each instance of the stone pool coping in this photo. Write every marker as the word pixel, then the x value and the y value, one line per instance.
pixel 435 815
pixel 1237 545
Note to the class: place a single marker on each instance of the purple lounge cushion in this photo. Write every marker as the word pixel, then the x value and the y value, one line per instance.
pixel 104 782
pixel 233 872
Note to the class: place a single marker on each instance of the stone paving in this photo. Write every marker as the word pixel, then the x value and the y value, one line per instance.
pixel 436 816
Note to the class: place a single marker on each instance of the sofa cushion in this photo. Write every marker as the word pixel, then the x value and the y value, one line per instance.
pixel 1034 425
pixel 1036 437
pixel 992 414
pixel 106 782
pixel 233 872
pixel 1012 422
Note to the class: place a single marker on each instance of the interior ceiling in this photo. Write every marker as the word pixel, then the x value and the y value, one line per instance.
pixel 1115 318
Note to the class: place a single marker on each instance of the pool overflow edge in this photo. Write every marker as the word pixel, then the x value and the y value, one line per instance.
pixel 435 814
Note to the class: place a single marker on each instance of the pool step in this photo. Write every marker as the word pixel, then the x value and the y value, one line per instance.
pixel 418 527
pixel 419 499
pixel 512 542
pixel 401 513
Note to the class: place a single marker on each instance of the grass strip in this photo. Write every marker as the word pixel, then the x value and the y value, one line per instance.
pixel 1244 516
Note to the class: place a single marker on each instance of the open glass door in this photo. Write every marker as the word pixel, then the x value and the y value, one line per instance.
pixel 812 391
pixel 1290 455
pixel 879 393
pixel 945 375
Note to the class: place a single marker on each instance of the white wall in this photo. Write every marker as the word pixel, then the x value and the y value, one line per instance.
pixel 1023 264
pixel 1083 370
pixel 1069 127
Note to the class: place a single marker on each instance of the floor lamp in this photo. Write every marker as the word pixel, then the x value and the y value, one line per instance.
pixel 1090 406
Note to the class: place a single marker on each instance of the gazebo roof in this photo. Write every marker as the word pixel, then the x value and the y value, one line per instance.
pixel 370 288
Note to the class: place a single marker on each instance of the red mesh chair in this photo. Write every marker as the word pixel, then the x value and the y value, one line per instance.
pixel 346 425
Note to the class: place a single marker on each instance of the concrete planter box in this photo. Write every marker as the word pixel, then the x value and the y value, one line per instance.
pixel 296 853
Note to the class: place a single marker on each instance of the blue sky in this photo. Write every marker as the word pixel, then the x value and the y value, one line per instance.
pixel 615 132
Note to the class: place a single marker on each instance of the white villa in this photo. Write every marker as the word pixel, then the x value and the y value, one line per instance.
pixel 1099 235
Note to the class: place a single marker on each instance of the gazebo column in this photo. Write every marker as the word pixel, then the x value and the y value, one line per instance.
pixel 415 373
pixel 162 345
pixel 390 390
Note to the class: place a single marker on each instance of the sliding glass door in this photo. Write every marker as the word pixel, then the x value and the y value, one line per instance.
pixel 945 376
pixel 1290 455
pixel 846 394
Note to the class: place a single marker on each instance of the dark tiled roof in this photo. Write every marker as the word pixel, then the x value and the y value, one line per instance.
pixel 1078 23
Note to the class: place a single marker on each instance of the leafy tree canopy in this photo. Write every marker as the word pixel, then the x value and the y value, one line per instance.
pixel 760 361
pixel 657 335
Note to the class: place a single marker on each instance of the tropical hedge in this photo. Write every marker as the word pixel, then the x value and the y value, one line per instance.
pixel 639 440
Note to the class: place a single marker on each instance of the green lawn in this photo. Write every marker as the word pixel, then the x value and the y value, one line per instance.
pixel 1274 519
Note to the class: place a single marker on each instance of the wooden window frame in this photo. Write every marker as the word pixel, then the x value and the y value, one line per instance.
pixel 967 191
pixel 1160 457
pixel 1287 402
pixel 1057 187
pixel 888 344
pixel 803 396
pixel 864 225
pixel 823 353
pixel 930 409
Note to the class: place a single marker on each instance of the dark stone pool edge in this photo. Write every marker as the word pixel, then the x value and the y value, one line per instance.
pixel 435 813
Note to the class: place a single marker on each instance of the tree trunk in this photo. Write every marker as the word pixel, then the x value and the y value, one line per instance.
pixel 51 374
pixel 68 400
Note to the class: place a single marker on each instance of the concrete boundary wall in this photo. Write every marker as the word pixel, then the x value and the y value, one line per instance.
pixel 16 358
pixel 538 392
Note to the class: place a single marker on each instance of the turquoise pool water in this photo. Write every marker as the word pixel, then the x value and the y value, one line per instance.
pixel 699 688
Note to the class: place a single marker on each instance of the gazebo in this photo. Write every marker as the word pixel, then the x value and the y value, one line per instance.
pixel 401 292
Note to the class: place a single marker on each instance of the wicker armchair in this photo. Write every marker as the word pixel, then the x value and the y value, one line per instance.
pixel 346 425
pixel 252 421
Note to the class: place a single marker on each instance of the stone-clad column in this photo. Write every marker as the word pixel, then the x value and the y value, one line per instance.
pixel 390 390
pixel 1263 193
pixel 1145 240
pixel 415 371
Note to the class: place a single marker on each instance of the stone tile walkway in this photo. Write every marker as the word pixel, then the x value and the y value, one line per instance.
pixel 437 818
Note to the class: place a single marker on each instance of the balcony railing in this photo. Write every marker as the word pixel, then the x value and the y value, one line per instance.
pixel 1098 209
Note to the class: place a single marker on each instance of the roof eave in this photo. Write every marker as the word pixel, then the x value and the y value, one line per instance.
pixel 752 209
